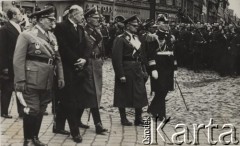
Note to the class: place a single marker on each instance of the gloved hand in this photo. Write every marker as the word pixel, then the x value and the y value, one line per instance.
pixel 61 83
pixel 123 79
pixel 155 74
pixel 26 109
pixel 80 63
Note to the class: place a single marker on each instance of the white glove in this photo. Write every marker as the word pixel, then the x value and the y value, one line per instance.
pixel 123 80
pixel 80 63
pixel 155 74
pixel 22 101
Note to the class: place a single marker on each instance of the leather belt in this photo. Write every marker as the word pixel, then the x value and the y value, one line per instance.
pixel 95 56
pixel 41 59
pixel 127 58
pixel 169 53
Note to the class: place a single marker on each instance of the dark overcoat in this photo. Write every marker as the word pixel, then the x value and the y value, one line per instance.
pixel 133 92
pixel 71 47
pixel 8 39
pixel 164 64
pixel 90 89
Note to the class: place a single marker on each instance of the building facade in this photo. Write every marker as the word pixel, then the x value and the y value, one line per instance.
pixel 198 10
pixel 109 8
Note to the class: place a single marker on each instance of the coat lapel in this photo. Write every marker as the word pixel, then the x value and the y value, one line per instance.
pixel 72 29
pixel 12 29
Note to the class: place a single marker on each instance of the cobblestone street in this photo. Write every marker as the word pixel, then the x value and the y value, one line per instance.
pixel 207 96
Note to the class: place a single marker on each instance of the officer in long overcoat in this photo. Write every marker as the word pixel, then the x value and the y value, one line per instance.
pixel 35 60
pixel 129 90
pixel 160 55
pixel 90 89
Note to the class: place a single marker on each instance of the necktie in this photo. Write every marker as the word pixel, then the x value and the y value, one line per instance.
pixel 75 26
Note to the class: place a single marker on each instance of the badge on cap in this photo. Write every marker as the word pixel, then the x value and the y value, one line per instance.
pixel 37 45
pixel 38 52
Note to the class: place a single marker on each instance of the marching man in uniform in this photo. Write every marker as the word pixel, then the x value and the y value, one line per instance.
pixel 161 63
pixel 35 59
pixel 129 90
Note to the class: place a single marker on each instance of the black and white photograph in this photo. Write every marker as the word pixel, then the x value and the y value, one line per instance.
pixel 119 72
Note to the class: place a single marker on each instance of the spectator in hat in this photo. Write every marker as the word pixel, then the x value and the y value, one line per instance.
pixel 129 90
pixel 35 60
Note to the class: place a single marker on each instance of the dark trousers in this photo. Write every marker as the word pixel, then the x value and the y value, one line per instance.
pixel 61 117
pixel 6 94
pixel 95 115
pixel 70 112
pixel 32 125
pixel 158 105
pixel 138 113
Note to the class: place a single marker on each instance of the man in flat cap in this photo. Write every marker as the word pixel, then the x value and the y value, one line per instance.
pixel 71 39
pixel 36 58
pixel 129 90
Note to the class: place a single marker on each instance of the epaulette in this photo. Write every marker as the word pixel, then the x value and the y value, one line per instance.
pixel 125 36
pixel 151 38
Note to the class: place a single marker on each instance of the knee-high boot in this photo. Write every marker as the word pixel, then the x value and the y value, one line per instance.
pixel 124 120
pixel 36 130
pixel 28 126
pixel 38 124
pixel 138 117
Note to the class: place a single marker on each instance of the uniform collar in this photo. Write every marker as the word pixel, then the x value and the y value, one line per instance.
pixel 40 28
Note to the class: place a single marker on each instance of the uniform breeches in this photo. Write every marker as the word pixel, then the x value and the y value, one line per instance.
pixel 158 105
pixel 37 100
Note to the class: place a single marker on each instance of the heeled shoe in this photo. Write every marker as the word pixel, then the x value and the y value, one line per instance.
pixel 100 129
pixel 37 142
pixel 138 122
pixel 81 125
pixel 61 131
pixel 125 122
pixel 77 139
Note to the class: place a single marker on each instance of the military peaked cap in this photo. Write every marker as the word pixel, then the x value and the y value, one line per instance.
pixel 91 12
pixel 148 23
pixel 119 18
pixel 132 20
pixel 163 28
pixel 162 17
pixel 45 13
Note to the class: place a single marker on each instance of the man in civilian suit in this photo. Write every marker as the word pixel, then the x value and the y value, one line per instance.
pixel 8 37
pixel 70 37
